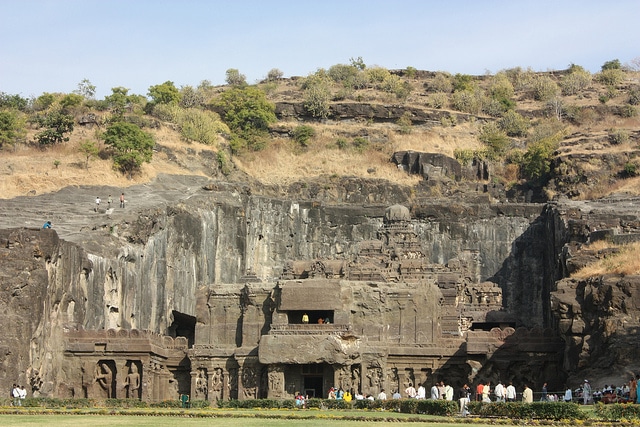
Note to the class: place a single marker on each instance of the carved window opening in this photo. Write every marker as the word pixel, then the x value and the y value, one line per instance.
pixel 487 326
pixel 183 326
pixel 296 317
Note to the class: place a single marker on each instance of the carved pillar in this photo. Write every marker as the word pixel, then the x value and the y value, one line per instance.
pixel 121 375
pixel 194 381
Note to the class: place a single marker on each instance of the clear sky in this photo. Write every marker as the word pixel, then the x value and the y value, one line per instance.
pixel 51 45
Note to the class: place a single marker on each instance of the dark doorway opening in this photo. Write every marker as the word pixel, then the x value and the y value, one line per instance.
pixel 313 386
pixel 313 376
pixel 183 326
pixel 295 317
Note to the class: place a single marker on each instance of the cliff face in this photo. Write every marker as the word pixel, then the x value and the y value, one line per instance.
pixel 153 266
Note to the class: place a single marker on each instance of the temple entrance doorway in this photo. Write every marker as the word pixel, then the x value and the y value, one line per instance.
pixel 312 376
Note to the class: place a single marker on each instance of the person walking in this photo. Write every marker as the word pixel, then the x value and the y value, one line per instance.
pixel 527 394
pixel 122 200
pixel 586 392
pixel 97 204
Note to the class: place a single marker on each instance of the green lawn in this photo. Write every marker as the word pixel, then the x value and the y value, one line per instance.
pixel 233 418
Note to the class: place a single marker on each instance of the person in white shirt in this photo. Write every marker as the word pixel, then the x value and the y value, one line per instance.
pixel 499 392
pixel 422 392
pixel 434 392
pixel 448 392
pixel 411 391
pixel 511 393
pixel 382 395
pixel 23 394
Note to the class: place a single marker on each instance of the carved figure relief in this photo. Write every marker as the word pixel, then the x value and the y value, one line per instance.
pixel 132 382
pixel 249 382
pixel 201 391
pixel 104 377
pixel 375 380
pixel 355 378
pixel 216 384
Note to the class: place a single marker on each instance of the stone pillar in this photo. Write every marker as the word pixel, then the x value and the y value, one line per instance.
pixel 402 382
pixel 121 376
pixel 194 380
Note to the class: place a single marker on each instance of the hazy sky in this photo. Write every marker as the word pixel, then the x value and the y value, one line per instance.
pixel 50 46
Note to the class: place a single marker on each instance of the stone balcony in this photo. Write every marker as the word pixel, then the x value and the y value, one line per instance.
pixel 309 329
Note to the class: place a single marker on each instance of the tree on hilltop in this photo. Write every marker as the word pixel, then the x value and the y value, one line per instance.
pixel 131 146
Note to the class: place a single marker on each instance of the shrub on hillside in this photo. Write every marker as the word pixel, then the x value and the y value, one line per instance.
pixel 514 124
pixel 544 88
pixel 302 134
pixel 610 77
pixel 495 139
pixel 575 82
pixel 317 95
pixel 441 82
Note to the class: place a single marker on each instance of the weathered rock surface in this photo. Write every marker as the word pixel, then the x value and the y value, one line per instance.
pixel 204 261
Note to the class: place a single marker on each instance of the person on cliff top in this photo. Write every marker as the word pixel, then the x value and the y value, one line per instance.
pixel 47 225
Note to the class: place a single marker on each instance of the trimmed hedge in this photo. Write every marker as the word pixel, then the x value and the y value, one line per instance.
pixel 518 410
pixel 617 411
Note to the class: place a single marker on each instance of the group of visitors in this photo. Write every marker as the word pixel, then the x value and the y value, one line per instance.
pixel 18 394
pixel 339 394
pixel 109 202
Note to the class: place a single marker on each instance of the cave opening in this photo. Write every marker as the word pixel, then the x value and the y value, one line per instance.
pixel 183 326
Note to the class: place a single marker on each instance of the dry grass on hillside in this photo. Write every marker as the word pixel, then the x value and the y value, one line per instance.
pixel 29 170
pixel 625 262
pixel 284 162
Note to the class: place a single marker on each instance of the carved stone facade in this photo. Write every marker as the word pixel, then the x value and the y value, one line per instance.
pixel 383 319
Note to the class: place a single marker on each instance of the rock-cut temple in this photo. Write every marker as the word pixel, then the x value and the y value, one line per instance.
pixel 384 319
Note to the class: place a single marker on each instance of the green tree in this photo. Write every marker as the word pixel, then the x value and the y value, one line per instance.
pixel 13 101
pixel 12 127
pixel 117 102
pixel 235 78
pixel 358 63
pixel 44 101
pixel 248 114
pixel 614 64
pixel 57 124
pixel 90 150
pixel 85 89
pixel 274 74
pixel 70 101
pixel 165 93
pixel 536 162
pixel 191 97
pixel 131 146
